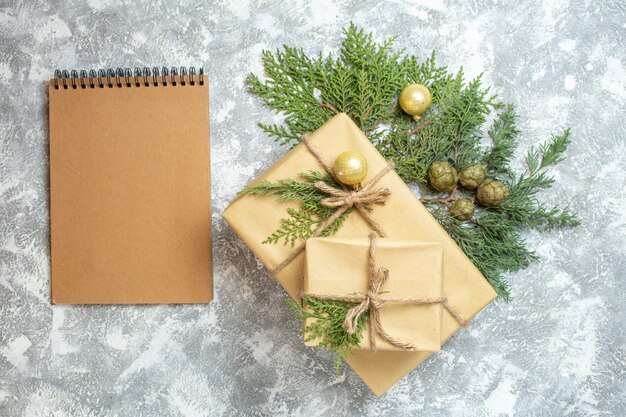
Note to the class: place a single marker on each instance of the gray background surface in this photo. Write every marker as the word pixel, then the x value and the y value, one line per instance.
pixel 557 350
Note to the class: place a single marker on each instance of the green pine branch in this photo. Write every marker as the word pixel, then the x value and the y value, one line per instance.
pixel 364 81
pixel 302 222
pixel 503 134
pixel 326 325
pixel 523 208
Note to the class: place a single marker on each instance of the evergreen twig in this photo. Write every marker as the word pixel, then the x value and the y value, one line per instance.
pixel 301 222
pixel 326 325
pixel 364 81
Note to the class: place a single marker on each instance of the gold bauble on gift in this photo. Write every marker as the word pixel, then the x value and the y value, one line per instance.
pixel 415 99
pixel 350 168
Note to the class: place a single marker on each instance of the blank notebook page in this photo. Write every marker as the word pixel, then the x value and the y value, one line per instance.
pixel 130 208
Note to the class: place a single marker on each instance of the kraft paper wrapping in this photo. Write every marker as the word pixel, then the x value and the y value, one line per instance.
pixel 339 266
pixel 254 218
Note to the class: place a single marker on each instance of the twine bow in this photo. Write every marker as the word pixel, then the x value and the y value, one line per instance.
pixel 340 198
pixel 343 199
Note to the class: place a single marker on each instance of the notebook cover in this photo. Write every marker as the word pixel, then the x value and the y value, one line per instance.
pixel 130 194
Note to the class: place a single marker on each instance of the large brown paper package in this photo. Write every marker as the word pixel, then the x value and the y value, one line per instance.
pixel 254 218
pixel 339 266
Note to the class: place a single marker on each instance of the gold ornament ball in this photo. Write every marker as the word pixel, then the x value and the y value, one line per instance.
pixel 415 99
pixel 350 168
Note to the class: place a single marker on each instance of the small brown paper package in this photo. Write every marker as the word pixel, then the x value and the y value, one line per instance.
pixel 254 218
pixel 339 266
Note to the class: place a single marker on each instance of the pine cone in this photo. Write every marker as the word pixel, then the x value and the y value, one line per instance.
pixel 462 209
pixel 472 176
pixel 442 176
pixel 491 192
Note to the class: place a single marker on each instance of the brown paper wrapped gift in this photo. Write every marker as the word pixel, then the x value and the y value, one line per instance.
pixel 339 267
pixel 254 218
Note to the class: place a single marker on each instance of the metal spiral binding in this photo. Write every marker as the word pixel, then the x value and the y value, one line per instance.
pixel 127 77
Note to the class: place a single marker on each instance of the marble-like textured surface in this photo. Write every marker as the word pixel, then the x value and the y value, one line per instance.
pixel 559 349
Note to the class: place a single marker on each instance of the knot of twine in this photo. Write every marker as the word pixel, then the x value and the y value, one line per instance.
pixel 342 199
pixel 372 302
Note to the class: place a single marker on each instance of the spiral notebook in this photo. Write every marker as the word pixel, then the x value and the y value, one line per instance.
pixel 130 210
